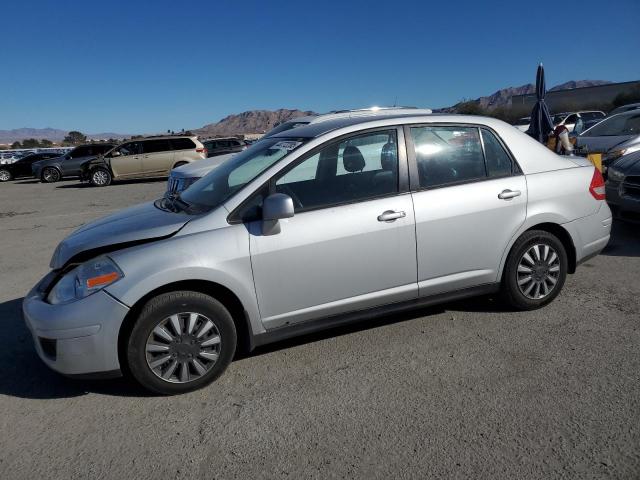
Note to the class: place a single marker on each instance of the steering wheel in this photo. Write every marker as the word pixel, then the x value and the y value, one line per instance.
pixel 287 191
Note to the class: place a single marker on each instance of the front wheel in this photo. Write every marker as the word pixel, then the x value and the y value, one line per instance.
pixel 100 177
pixel 181 342
pixel 5 175
pixel 535 271
pixel 50 175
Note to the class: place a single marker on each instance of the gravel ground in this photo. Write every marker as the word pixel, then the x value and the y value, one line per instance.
pixel 466 390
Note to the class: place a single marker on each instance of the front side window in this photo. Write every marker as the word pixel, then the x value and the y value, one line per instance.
pixel 222 182
pixel 350 170
pixel 447 155
pixel 614 126
pixel 131 148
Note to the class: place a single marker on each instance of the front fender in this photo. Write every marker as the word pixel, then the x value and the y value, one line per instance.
pixel 220 256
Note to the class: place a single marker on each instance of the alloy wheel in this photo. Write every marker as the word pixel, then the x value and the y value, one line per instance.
pixel 538 271
pixel 5 176
pixel 183 347
pixel 51 175
pixel 100 177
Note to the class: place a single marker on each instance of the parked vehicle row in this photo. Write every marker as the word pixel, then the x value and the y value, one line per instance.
pixel 312 227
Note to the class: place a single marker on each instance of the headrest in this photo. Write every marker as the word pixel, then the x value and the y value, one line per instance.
pixel 388 157
pixel 352 159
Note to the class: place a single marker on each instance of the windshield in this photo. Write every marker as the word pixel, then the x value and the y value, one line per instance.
pixel 283 127
pixel 623 124
pixel 222 182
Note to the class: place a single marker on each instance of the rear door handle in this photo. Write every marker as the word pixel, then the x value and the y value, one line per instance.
pixel 390 216
pixel 508 194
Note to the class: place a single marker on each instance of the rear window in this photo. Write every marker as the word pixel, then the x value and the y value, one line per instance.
pixel 182 143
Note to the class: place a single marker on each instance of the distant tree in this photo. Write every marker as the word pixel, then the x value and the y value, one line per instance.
pixel 632 96
pixel 30 143
pixel 46 143
pixel 16 145
pixel 74 138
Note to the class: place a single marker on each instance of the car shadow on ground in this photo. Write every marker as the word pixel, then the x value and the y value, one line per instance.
pixel 26 376
pixel 114 184
pixel 625 240
pixel 26 182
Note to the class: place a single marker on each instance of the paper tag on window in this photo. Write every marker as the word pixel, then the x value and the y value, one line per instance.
pixel 286 145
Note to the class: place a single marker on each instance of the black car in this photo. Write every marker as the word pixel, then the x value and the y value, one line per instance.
pixel 623 187
pixel 22 167
pixel 222 146
pixel 68 165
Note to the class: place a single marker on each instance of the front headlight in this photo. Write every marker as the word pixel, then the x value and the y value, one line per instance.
pixel 614 154
pixel 85 279
pixel 615 174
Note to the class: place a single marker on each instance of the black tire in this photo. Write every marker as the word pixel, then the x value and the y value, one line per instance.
pixel 154 313
pixel 5 175
pixel 515 294
pixel 50 175
pixel 179 164
pixel 100 177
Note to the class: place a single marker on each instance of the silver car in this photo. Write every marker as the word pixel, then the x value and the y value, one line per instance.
pixel 319 225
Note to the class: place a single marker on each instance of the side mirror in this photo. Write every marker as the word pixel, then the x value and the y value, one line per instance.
pixel 275 207
pixel 67 157
pixel 115 153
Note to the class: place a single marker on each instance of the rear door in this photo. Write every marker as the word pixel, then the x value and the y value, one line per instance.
pixel 470 199
pixel 157 157
pixel 129 162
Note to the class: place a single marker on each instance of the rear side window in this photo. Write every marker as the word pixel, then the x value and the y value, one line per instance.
pixel 498 160
pixel 155 146
pixel 448 155
pixel 79 152
pixel 182 144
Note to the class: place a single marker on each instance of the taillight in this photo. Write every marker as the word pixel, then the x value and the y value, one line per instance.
pixel 201 150
pixel 597 185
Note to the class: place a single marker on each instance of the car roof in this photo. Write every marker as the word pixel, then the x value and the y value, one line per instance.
pixel 314 130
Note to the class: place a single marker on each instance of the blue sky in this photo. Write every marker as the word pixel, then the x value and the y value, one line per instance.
pixel 141 67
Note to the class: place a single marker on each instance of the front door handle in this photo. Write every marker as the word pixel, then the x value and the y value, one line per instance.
pixel 508 194
pixel 390 216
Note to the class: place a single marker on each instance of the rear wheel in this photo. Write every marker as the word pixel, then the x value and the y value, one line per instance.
pixel 100 177
pixel 181 342
pixel 5 175
pixel 51 175
pixel 536 270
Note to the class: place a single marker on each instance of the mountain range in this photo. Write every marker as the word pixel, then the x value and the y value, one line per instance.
pixel 260 121
pixel 53 134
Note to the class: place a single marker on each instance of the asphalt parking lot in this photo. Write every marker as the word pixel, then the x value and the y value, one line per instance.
pixel 465 390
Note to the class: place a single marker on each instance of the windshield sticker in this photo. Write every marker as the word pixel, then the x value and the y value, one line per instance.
pixel 286 145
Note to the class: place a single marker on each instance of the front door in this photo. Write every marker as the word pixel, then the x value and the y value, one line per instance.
pixel 129 161
pixel 470 201
pixel 350 245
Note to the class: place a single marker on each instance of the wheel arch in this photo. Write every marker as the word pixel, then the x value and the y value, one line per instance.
pixel 221 293
pixel 555 229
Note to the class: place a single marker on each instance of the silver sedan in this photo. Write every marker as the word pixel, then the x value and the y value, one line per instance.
pixel 319 225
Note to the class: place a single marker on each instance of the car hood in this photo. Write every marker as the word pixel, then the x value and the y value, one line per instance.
pixel 139 223
pixel 201 167
pixel 47 162
pixel 629 164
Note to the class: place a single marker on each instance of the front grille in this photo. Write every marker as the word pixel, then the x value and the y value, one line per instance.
pixel 172 185
pixel 49 347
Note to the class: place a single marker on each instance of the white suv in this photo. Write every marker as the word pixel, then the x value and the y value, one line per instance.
pixel 181 178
